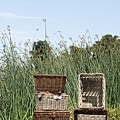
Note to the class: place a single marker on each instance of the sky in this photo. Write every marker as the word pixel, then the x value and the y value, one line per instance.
pixel 69 18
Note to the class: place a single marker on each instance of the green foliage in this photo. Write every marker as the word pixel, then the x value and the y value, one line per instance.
pixel 17 100
pixel 114 114
pixel 107 45
pixel 41 50
pixel 107 52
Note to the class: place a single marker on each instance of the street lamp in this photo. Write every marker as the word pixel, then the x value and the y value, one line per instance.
pixel 44 20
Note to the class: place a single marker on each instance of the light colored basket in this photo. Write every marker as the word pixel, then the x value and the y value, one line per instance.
pixel 91 117
pixel 91 93
pixel 51 115
pixel 48 82
pixel 90 114
pixel 49 101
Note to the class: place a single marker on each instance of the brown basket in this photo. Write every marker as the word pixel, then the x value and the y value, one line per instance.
pixel 51 115
pixel 52 83
pixel 49 101
pixel 90 114
pixel 91 90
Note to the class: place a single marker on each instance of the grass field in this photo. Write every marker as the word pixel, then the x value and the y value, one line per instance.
pixel 17 92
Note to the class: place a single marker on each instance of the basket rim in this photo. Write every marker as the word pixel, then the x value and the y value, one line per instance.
pixel 51 111
pixel 51 96
pixel 91 74
pixel 49 75
pixel 98 111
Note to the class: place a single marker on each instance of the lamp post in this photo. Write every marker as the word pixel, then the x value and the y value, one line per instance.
pixel 44 20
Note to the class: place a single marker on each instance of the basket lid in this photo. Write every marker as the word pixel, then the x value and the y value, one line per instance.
pixel 49 75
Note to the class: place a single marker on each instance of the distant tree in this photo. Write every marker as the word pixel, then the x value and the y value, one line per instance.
pixel 41 49
pixel 106 45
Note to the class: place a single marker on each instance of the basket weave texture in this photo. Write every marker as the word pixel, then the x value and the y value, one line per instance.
pixel 90 114
pixel 91 117
pixel 52 83
pixel 49 101
pixel 91 93
pixel 51 115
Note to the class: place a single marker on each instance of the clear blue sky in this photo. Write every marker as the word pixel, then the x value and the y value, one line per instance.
pixel 71 17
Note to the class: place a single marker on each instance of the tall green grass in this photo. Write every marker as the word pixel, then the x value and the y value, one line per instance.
pixel 17 100
pixel 16 83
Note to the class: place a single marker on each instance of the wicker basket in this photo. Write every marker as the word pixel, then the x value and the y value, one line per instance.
pixel 52 83
pixel 51 115
pixel 90 114
pixel 91 92
pixel 49 101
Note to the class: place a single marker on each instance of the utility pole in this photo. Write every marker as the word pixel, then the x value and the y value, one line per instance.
pixel 44 20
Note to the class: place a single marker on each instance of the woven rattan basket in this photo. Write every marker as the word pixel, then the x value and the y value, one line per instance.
pixel 52 83
pixel 90 114
pixel 49 101
pixel 51 115
pixel 91 93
